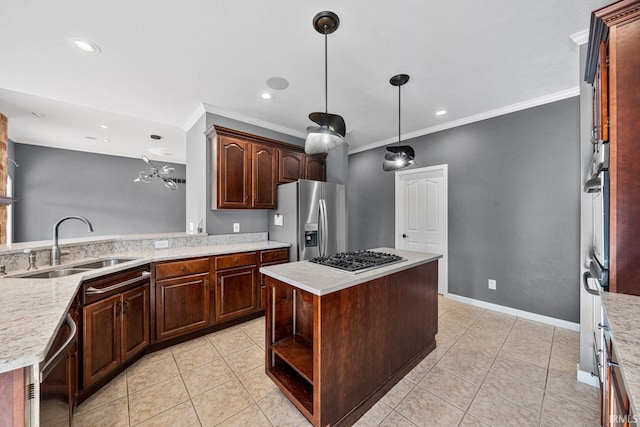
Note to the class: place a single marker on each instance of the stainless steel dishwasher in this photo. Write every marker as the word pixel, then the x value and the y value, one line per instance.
pixel 58 376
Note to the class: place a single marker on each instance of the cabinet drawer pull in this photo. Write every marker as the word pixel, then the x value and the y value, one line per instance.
pixel 95 291
pixel 125 307
pixel 184 268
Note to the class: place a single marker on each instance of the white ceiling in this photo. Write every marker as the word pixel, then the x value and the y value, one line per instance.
pixel 163 63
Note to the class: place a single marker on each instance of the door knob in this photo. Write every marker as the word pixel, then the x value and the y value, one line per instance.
pixel 404 236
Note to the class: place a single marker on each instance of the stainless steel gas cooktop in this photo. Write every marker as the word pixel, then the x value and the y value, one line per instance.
pixel 357 261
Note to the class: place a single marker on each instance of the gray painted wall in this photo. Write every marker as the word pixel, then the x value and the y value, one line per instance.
pixel 52 183
pixel 196 197
pixel 514 206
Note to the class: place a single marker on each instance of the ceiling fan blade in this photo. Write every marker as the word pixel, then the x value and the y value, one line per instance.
pixel 331 121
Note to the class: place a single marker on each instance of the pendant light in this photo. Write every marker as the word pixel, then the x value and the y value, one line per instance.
pixel 398 156
pixel 331 128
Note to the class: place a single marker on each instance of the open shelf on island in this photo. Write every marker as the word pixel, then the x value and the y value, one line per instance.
pixel 298 353
pixel 294 384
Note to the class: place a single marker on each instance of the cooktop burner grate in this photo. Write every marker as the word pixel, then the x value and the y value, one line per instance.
pixel 357 261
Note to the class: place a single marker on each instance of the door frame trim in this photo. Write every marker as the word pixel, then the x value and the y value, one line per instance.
pixel 400 176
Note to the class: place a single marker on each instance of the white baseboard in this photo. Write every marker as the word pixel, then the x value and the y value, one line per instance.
pixel 515 312
pixel 586 378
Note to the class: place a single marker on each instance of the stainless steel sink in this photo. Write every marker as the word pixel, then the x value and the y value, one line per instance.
pixel 105 262
pixel 61 272
pixel 74 269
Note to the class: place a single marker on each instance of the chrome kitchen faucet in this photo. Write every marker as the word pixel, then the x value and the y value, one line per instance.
pixel 55 249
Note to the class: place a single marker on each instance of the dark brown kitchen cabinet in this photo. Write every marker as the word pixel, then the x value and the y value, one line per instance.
pixel 314 168
pixel 616 409
pixel 267 258
pixel 291 166
pixel 613 67
pixel 115 321
pixel 116 326
pixel 233 173
pixel 236 287
pixel 181 297
pixel 247 168
pixel 264 163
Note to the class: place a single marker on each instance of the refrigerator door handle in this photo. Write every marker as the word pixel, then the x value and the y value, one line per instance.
pixel 320 229
pixel 325 227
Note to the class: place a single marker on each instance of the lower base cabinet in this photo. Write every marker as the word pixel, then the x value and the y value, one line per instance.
pixel 116 327
pixel 235 293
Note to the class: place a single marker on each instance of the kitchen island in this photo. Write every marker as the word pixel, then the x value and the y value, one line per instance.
pixel 336 342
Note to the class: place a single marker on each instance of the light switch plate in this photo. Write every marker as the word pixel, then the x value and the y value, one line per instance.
pixel 278 219
pixel 492 284
pixel 236 227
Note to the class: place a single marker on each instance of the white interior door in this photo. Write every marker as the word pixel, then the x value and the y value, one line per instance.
pixel 421 215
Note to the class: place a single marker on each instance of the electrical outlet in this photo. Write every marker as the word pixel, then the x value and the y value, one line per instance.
pixel 161 244
pixel 236 227
pixel 278 220
pixel 492 284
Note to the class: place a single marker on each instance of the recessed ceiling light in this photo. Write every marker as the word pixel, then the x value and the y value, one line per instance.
pixel 104 126
pixel 277 83
pixel 266 95
pixel 155 136
pixel 441 112
pixel 84 45
pixel 159 151
pixel 106 140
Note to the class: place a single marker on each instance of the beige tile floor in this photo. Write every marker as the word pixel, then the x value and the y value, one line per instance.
pixel 489 369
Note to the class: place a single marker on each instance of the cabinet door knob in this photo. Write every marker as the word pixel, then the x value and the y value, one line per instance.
pixel 184 268
pixel 404 236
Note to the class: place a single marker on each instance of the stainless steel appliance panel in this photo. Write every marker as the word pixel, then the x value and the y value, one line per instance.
pixel 313 218
pixel 334 238
pixel 309 216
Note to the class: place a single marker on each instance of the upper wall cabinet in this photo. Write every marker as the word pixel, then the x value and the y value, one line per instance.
pixel 246 169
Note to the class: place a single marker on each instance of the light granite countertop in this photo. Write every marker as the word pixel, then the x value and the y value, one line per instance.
pixel 33 309
pixel 322 280
pixel 623 314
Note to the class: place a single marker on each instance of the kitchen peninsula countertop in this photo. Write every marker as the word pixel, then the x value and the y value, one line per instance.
pixel 321 280
pixel 623 314
pixel 33 309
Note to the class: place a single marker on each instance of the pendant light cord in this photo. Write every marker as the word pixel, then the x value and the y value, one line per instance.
pixel 399 107
pixel 326 74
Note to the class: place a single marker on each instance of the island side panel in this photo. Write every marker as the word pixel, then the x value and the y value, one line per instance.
pixel 414 312
pixel 370 335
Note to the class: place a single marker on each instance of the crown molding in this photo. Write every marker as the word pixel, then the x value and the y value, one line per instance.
pixel 581 37
pixel 253 121
pixel 547 99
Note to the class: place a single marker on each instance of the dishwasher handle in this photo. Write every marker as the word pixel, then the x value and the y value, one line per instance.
pixel 47 366
pixel 96 291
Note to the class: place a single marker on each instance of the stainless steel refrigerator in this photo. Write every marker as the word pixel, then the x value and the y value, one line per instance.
pixel 312 216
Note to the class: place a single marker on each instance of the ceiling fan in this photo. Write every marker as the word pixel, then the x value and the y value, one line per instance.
pixel 154 171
